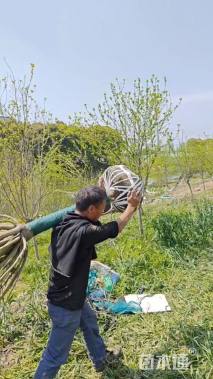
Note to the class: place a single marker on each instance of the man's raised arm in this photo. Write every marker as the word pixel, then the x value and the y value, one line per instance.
pixel 134 199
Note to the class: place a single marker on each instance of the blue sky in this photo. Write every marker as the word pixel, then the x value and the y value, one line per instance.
pixel 79 47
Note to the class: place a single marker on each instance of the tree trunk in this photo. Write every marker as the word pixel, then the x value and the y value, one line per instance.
pixel 190 188
pixel 35 243
pixel 166 177
pixel 176 184
pixel 204 187
pixel 141 226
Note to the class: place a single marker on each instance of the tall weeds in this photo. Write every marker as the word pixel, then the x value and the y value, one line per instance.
pixel 183 230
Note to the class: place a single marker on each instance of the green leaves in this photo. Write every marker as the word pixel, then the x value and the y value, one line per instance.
pixel 141 115
pixel 186 229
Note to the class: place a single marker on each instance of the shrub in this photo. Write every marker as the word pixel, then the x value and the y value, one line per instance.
pixel 185 229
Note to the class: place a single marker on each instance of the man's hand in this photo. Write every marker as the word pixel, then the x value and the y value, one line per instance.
pixel 134 198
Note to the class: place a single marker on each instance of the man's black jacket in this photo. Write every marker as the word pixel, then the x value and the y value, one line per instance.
pixel 72 247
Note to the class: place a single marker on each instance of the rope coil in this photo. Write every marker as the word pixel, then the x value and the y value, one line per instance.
pixel 13 253
pixel 118 181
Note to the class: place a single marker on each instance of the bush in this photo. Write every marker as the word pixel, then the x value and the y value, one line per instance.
pixel 185 229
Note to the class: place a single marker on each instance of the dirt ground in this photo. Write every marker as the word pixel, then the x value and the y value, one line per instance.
pixel 182 189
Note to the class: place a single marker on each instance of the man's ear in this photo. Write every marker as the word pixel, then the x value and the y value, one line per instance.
pixel 91 208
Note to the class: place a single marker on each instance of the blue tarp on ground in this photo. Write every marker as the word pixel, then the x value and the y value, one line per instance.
pixel 102 280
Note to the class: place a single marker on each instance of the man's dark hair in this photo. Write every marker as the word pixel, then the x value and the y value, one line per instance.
pixel 92 195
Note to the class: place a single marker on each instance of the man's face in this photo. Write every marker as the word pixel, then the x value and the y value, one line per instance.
pixel 94 212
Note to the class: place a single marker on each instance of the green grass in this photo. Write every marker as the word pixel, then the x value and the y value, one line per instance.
pixel 186 280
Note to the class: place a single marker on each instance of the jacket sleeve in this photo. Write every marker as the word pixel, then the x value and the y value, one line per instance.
pixel 93 234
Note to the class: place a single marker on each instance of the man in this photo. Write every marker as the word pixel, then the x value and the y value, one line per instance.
pixel 73 247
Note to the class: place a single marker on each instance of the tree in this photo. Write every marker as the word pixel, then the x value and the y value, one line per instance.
pixel 23 148
pixel 24 154
pixel 164 167
pixel 209 156
pixel 194 157
pixel 88 149
pixel 141 116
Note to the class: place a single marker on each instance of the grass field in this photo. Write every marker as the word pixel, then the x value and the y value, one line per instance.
pixel 171 261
